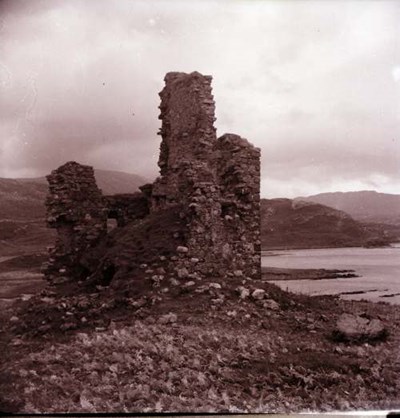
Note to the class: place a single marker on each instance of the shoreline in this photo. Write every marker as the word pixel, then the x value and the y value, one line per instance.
pixel 371 272
pixel 283 248
pixel 284 274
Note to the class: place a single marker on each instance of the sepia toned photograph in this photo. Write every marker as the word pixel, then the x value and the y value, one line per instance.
pixel 199 206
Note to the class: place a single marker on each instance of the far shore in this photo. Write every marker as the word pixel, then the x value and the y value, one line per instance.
pixel 277 274
pixel 322 247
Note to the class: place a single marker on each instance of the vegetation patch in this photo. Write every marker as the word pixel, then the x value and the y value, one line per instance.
pixel 202 349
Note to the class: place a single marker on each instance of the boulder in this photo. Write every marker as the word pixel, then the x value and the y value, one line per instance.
pixel 271 305
pixel 355 328
pixel 182 249
pixel 169 318
pixel 67 326
pixel 243 292
pixel 182 272
pixel 215 286
pixel 190 284
pixel 258 294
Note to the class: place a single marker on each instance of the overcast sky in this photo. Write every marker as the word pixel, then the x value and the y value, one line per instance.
pixel 314 84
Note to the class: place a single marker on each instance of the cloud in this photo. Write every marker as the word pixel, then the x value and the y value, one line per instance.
pixel 314 84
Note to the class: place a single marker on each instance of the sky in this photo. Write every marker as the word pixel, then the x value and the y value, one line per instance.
pixel 314 84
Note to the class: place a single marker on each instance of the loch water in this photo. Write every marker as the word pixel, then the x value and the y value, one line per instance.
pixel 378 270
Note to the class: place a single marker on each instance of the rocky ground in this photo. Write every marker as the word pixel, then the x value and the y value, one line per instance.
pixel 222 345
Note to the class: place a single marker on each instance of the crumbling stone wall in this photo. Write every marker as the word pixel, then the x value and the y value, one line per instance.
pixel 217 179
pixel 188 136
pixel 238 169
pixel 212 184
pixel 75 207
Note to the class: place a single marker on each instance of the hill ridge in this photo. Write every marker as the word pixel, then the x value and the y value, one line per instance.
pixel 287 223
pixel 23 198
pixel 362 205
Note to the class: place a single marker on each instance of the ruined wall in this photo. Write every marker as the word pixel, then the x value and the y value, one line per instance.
pixel 188 137
pixel 218 180
pixel 75 207
pixel 238 168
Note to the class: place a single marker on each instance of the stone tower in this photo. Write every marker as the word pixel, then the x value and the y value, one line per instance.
pixel 218 180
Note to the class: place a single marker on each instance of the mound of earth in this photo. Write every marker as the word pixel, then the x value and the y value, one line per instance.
pixel 122 258
pixel 213 345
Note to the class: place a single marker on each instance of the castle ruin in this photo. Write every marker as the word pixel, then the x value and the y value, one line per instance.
pixel 205 204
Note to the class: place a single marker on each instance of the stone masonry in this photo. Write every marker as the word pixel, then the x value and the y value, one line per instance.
pixel 75 207
pixel 212 182
pixel 218 180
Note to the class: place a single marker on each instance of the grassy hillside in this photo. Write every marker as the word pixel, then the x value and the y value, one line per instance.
pixel 22 199
pixel 289 223
pixel 25 236
pixel 114 182
pixel 367 206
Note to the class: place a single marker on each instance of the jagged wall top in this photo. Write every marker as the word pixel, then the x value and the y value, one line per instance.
pixel 73 193
pixel 188 115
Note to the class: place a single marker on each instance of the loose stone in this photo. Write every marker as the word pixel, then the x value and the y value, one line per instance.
pixel 258 294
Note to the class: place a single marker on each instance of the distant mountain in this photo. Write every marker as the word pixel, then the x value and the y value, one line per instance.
pixel 113 182
pixel 366 206
pixel 287 223
pixel 109 181
pixel 24 198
